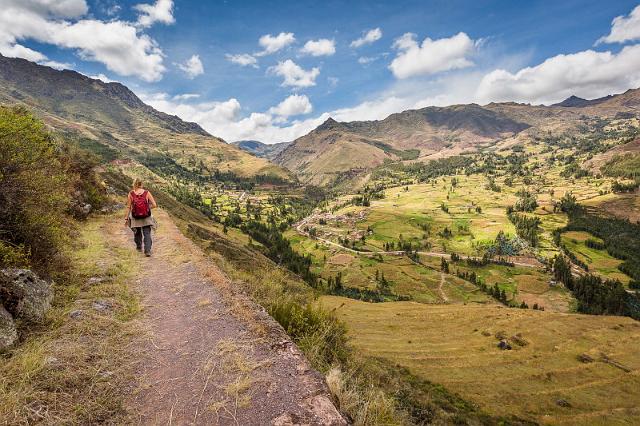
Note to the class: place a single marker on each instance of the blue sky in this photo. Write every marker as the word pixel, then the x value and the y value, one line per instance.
pixel 182 56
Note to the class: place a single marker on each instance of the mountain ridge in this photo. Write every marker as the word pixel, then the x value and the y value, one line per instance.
pixel 334 148
pixel 111 114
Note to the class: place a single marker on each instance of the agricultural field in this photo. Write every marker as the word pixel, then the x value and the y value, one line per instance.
pixel 421 282
pixel 597 259
pixel 561 369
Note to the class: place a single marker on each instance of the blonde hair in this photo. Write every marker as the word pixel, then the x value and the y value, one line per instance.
pixel 137 183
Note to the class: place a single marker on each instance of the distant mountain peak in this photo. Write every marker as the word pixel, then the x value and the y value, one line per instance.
pixel 329 124
pixel 572 101
pixel 577 102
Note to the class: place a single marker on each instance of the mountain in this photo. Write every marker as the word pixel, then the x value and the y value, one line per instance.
pixel 260 149
pixel 335 148
pixel 112 115
pixel 576 102
pixel 338 150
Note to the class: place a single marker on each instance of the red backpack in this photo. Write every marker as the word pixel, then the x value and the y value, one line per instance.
pixel 139 205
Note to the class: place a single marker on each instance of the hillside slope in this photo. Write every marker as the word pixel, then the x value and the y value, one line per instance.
pixel 336 148
pixel 561 369
pixel 114 116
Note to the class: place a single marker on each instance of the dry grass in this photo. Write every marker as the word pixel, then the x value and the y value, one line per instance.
pixel 75 371
pixel 369 407
pixel 234 362
pixel 456 346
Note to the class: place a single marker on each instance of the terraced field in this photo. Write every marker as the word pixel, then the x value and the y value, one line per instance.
pixel 425 284
pixel 562 369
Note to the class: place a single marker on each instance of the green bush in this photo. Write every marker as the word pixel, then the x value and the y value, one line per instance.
pixel 33 188
pixel 40 180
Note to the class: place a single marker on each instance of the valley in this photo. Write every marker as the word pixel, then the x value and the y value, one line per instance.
pixel 477 264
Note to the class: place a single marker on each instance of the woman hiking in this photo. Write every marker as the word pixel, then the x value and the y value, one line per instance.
pixel 139 205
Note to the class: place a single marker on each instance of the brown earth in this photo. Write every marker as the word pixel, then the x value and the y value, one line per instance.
pixel 209 357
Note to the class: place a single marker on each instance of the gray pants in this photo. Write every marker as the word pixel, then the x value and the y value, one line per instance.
pixel 137 237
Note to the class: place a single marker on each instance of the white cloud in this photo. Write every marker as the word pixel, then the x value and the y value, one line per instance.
pixel 53 8
pixel 186 96
pixel 161 11
pixel 116 44
pixel 624 28
pixel 103 78
pixel 320 47
pixel 19 51
pixel 369 37
pixel 294 75
pixel 588 74
pixel 365 60
pixel 293 105
pixel 206 112
pixel 432 57
pixel 57 65
pixel 223 119
pixel 272 44
pixel 192 67
pixel 243 59
pixel 112 9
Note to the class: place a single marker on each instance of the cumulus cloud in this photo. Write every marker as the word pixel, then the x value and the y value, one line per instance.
pixel 271 44
pixel 432 56
pixel 624 28
pixel 588 74
pixel 369 37
pixel 320 47
pixel 192 67
pixel 294 75
pixel 206 112
pixel 224 119
pixel 243 59
pixel 19 51
pixel 53 8
pixel 116 44
pixel 161 11
pixel 293 105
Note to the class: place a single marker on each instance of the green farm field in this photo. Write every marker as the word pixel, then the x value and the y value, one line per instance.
pixel 599 261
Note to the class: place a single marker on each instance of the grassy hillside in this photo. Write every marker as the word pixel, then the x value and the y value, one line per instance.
pixel 562 369
pixel 112 115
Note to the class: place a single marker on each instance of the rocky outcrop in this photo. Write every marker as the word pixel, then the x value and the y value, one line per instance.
pixel 24 295
pixel 8 332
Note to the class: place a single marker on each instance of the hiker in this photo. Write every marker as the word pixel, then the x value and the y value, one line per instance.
pixel 139 219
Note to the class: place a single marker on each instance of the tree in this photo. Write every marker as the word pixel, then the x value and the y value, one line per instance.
pixel 444 265
pixel 568 203
pixel 562 271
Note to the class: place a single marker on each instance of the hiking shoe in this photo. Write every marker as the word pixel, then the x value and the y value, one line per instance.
pixel 148 254
pixel 139 248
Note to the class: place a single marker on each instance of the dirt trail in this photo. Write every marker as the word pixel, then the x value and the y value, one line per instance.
pixel 441 290
pixel 204 360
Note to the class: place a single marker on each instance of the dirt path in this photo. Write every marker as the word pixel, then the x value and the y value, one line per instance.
pixel 204 359
pixel 441 290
